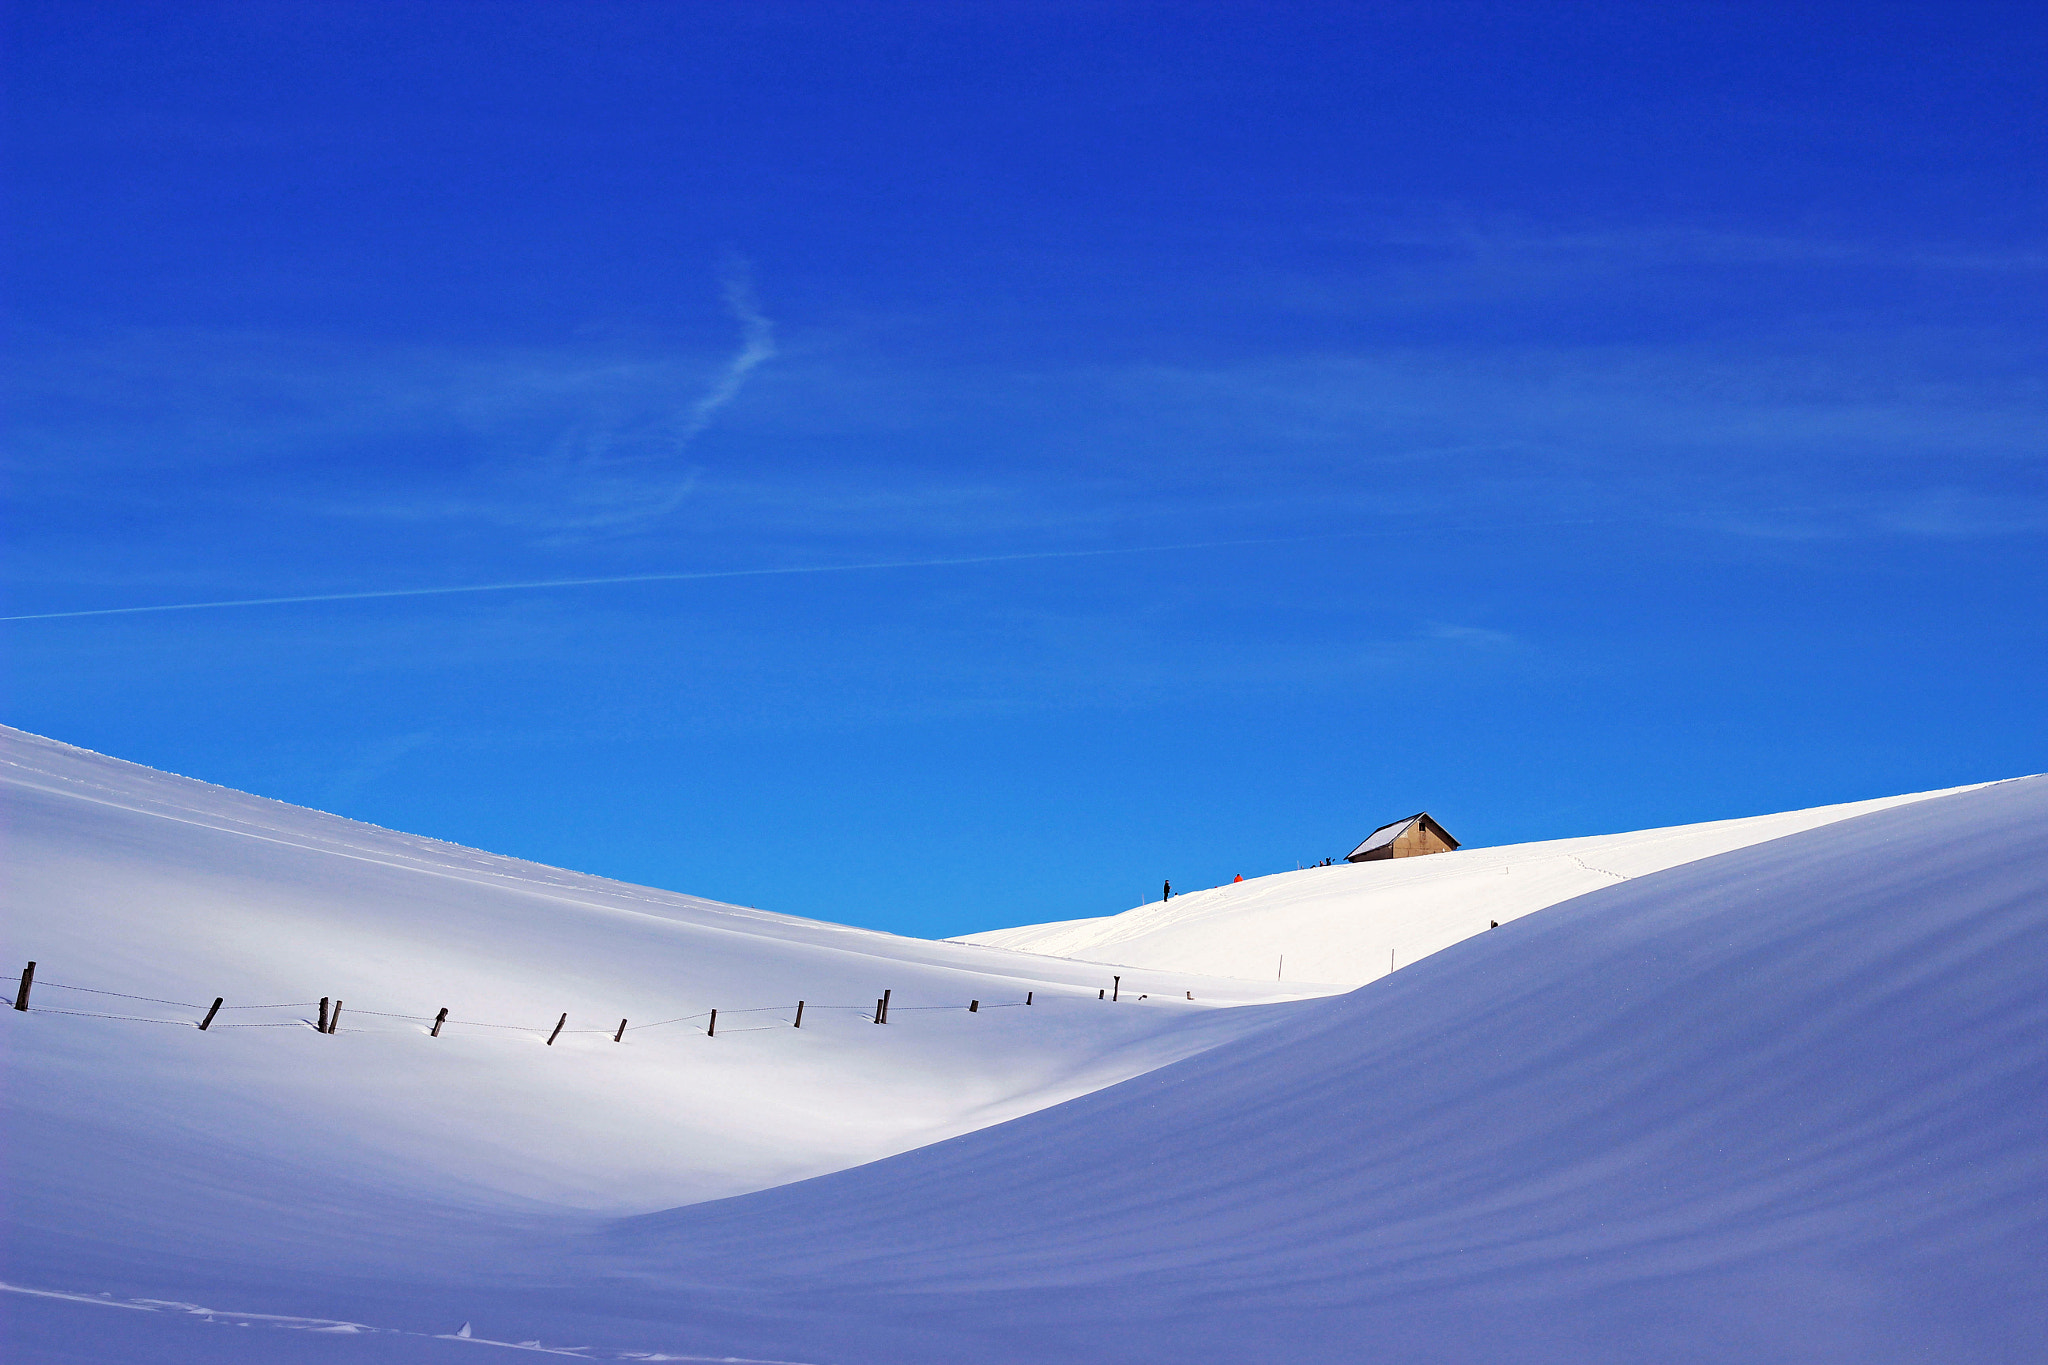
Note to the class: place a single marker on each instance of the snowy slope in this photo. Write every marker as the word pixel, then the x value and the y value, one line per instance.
pixel 1782 1104
pixel 142 884
pixel 1787 1104
pixel 1354 922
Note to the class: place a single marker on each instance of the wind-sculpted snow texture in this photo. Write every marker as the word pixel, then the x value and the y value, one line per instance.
pixel 1789 1103
pixel 1353 923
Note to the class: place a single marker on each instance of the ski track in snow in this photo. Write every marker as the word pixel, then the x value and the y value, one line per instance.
pixel 284 1322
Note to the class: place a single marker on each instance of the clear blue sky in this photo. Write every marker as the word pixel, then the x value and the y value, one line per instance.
pixel 1582 418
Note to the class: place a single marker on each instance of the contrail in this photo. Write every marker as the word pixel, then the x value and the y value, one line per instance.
pixel 655 578
pixel 866 567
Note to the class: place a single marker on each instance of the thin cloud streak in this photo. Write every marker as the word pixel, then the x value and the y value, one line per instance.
pixel 757 345
pixel 651 578
pixel 706 574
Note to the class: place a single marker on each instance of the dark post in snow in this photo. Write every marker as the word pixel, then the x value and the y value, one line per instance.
pixel 334 1017
pixel 210 1013
pixel 321 1027
pixel 885 1005
pixel 1102 995
pixel 558 1029
pixel 974 1007
pixel 1493 924
pixel 1027 997
pixel 711 1030
pixel 620 1036
pixel 439 1020
pixel 799 1014
pixel 1119 983
pixel 878 1009
pixel 28 976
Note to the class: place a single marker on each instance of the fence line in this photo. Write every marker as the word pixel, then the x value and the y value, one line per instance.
pixel 443 1020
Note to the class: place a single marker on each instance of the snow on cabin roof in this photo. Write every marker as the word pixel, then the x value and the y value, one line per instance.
pixel 1385 834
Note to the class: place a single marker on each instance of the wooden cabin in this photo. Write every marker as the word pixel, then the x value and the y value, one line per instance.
pixel 1409 838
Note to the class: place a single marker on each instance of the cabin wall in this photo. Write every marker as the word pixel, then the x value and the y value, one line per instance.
pixel 1416 842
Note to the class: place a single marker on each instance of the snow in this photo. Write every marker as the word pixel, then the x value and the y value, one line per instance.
pixel 1782 1102
pixel 1345 924
pixel 126 880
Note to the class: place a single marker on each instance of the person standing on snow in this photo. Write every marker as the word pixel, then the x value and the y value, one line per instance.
pixel 1167 894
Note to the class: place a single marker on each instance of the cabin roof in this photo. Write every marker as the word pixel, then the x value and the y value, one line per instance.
pixel 1386 834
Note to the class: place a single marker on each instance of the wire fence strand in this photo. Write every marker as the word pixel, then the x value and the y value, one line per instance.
pixel 124 1018
pixel 543 1027
pixel 152 1000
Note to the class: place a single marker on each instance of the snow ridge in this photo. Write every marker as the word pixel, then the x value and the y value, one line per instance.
pixel 1343 924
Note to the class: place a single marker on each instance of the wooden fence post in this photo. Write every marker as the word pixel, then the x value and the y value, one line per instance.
pixel 974 1007
pixel 799 1014
pixel 210 1013
pixel 885 1005
pixel 321 1027
pixel 712 1030
pixel 621 1034
pixel 1027 997
pixel 558 1029
pixel 334 1017
pixel 1119 984
pixel 21 996
pixel 439 1020
pixel 878 1009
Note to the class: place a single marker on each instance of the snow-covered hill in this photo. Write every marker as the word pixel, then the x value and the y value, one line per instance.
pixel 135 883
pixel 1354 922
pixel 1784 1103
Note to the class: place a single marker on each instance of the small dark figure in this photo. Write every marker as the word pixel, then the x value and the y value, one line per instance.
pixel 1167 894
pixel 1493 924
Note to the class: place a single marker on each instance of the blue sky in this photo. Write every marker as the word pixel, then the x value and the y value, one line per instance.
pixel 1565 419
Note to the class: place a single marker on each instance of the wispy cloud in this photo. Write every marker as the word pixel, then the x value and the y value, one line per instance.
pixel 757 346
pixel 557 445
pixel 607 476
